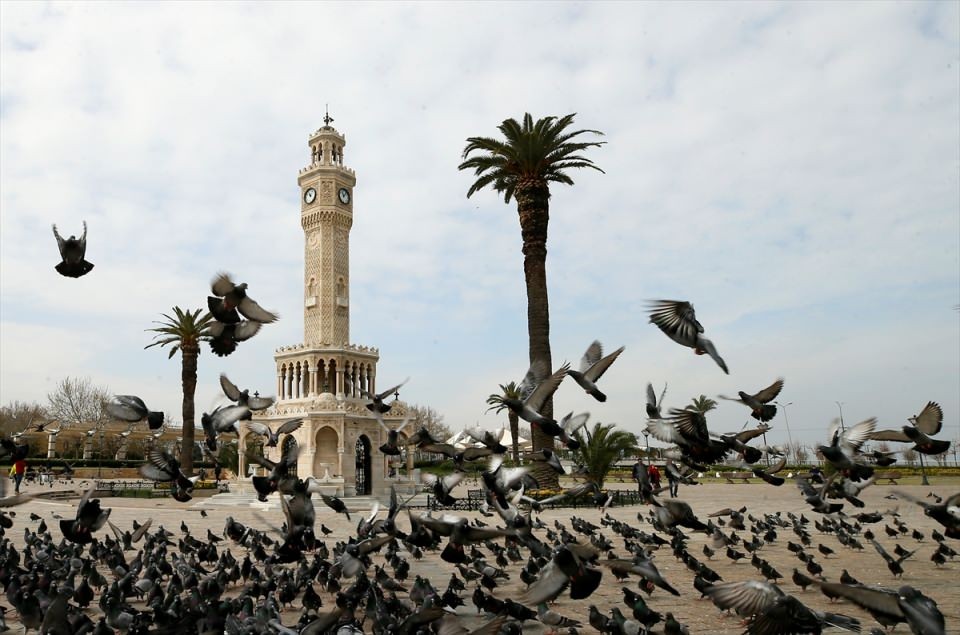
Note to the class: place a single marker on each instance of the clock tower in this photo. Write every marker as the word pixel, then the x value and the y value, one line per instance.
pixel 323 380
pixel 326 215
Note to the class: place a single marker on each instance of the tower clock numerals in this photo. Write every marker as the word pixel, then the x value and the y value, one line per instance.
pixel 310 195
pixel 344 195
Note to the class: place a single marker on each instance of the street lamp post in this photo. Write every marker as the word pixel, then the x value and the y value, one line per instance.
pixel 100 455
pixel 840 406
pixel 646 438
pixel 786 422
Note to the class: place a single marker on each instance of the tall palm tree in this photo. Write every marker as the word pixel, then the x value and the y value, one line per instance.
pixel 702 404
pixel 508 391
pixel 184 330
pixel 521 166
pixel 600 448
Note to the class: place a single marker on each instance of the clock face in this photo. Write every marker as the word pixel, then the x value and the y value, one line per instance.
pixel 344 195
pixel 310 195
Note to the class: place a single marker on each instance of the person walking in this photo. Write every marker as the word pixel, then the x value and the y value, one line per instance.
pixel 654 475
pixel 19 470
pixel 673 478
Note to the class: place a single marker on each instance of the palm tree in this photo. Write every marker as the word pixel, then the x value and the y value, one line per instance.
pixel 600 448
pixel 508 391
pixel 185 331
pixel 521 167
pixel 702 404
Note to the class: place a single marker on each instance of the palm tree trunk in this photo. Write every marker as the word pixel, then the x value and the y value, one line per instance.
pixel 534 210
pixel 514 432
pixel 188 378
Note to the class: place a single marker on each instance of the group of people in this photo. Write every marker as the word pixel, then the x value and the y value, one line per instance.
pixel 653 474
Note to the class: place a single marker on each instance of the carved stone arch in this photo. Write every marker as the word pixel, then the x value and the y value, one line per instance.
pixel 326 456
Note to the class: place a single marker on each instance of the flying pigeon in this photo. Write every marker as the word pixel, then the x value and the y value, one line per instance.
pixel 392 445
pixel 90 518
pixel 161 466
pixel 225 337
pixel 228 299
pixel 653 404
pixel 592 366
pixel 678 321
pixel 923 426
pixel 72 253
pixel 377 404
pixel 537 387
pixel 759 404
pixel 132 409
pixel 242 397
pixel 272 438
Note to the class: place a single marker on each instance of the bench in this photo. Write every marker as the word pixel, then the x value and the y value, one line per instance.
pixel 472 502
pixel 743 477
pixel 891 477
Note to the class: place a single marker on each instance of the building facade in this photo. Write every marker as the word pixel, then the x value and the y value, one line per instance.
pixel 321 378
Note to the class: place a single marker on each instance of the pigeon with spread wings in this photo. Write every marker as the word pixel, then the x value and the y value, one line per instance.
pixel 229 301
pixel 678 321
pixel 73 250
pixel 162 467
pixel 242 397
pixel 592 366
pixel 376 399
pixel 535 390
pixel 132 409
pixel 392 445
pixel 273 437
pixel 225 337
pixel 759 404
pixel 922 427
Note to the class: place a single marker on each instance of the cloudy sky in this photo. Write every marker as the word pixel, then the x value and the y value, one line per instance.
pixel 792 169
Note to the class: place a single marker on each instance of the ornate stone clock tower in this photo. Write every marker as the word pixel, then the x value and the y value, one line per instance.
pixel 322 378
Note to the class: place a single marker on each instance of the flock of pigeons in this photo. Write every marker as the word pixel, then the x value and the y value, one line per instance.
pixel 144 582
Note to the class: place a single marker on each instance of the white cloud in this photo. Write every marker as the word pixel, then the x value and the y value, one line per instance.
pixel 790 168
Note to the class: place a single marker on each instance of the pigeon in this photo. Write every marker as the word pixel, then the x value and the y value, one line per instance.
pixel 536 389
pixel 568 567
pixel 774 612
pixel 687 428
pixel 845 446
pixel 947 512
pixel 223 419
pixel 89 519
pixel 161 466
pixel 225 337
pixel 890 607
pixel 72 253
pixel 759 404
pixel 132 409
pixel 923 426
pixel 242 397
pixel 376 399
pixel 592 366
pixel 228 299
pixel 392 445
pixel 678 321
pixel 335 504
pixel 653 404
pixel 272 438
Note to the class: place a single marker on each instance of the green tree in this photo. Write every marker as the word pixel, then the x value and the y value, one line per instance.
pixel 600 448
pixel 521 166
pixel 184 332
pixel 702 404
pixel 508 391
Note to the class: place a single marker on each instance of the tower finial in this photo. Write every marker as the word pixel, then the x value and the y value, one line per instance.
pixel 327 118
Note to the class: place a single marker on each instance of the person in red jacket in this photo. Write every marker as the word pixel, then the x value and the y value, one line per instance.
pixel 654 475
pixel 19 469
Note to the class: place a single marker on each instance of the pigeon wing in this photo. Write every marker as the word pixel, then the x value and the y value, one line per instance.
pixel 259 403
pixel 61 243
pixel 548 585
pixel 889 435
pixel 253 311
pixel 770 393
pixel 929 420
pixel 663 430
pixel 245 330
pixel 676 318
pixel 598 369
pixel 390 391
pixel 750 597
pixel 259 428
pixel 290 426
pixel 571 423
pixel 711 350
pixel 591 357
pixel 127 408
pixel 221 284
pixel 858 434
pixel 546 388
pixel 229 388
